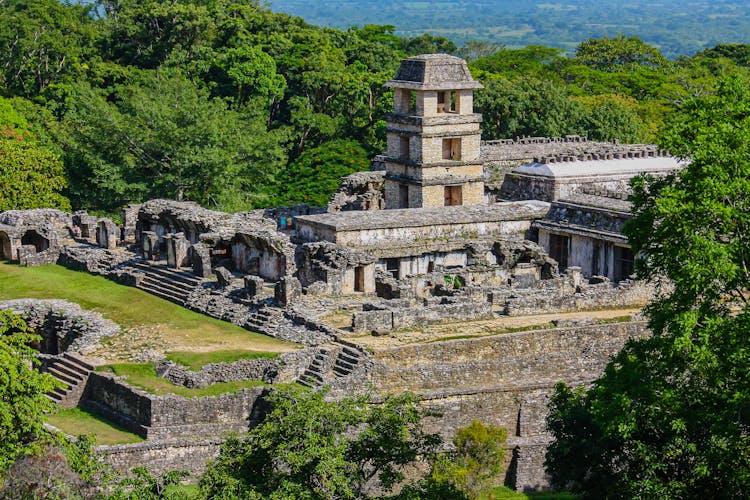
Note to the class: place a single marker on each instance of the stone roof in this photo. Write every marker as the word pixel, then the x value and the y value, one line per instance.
pixel 599 167
pixel 434 72
pixel 418 217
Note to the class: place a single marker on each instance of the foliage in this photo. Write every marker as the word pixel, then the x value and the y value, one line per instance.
pixel 346 445
pixel 142 485
pixel 22 390
pixel 670 416
pixel 608 54
pixel 197 360
pixel 31 176
pixel 474 466
pixel 46 474
pixel 316 174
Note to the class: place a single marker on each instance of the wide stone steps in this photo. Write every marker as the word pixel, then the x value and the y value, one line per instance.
pixel 73 372
pixel 169 284
pixel 321 369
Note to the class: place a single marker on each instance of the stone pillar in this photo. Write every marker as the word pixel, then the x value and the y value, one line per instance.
pixel 150 245
pixel 129 221
pixel 253 285
pixel 201 260
pixel 86 223
pixel 107 234
pixel 177 250
pixel 287 290
pixel 224 276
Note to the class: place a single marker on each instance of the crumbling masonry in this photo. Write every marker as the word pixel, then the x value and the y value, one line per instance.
pixel 444 228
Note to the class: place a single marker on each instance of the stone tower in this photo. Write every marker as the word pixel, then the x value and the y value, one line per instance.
pixel 433 135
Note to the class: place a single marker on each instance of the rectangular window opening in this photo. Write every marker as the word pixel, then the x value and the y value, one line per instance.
pixel 558 250
pixel 623 258
pixel 404 147
pixel 453 196
pixel 403 196
pixel 359 279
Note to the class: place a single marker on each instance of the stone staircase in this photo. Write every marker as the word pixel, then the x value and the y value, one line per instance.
pixel 73 372
pixel 170 284
pixel 333 361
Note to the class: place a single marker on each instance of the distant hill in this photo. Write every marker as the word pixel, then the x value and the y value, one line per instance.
pixel 677 27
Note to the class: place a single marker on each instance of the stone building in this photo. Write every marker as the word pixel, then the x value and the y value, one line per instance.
pixel 433 135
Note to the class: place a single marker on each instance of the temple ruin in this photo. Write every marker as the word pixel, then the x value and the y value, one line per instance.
pixel 444 230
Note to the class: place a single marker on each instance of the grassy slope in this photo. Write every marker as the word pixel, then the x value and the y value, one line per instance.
pixel 76 422
pixel 131 307
pixel 143 376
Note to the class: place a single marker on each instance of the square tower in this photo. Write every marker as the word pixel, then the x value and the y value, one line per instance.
pixel 433 135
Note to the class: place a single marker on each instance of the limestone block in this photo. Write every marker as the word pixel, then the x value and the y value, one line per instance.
pixel 287 291
pixel 150 244
pixel 200 257
pixel 107 234
pixel 224 276
pixel 253 285
pixel 177 250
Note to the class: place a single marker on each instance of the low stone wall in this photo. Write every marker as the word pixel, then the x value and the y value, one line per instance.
pixel 396 318
pixel 170 417
pixel 264 369
pixel 543 356
pixel 63 325
pixel 162 456
pixel 604 295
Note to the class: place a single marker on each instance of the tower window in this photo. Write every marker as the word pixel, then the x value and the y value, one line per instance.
pixel 452 149
pixel 404 147
pixel 446 101
pixel 453 196
pixel 403 196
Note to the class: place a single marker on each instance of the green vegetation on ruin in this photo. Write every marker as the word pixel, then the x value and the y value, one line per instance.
pixel 76 422
pixel 132 308
pixel 505 493
pixel 143 376
pixel 197 360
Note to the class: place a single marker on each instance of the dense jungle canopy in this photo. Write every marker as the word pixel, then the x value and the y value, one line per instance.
pixel 232 105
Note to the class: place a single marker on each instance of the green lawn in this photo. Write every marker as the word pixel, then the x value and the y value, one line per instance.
pixel 503 493
pixel 76 422
pixel 143 376
pixel 175 327
pixel 197 360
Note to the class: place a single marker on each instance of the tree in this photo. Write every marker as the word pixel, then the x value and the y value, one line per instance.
pixel 473 467
pixel 165 137
pixel 42 42
pixel 22 390
pixel 345 445
pixel 670 417
pixel 609 54
pixel 316 174
pixel 529 107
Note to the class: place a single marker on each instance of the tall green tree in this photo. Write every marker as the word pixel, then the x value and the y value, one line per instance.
pixel 308 448
pixel 22 390
pixel 670 417
pixel 475 464
pixel 165 137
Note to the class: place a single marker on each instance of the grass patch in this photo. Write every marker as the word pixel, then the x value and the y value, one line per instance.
pixel 77 422
pixel 505 493
pixel 143 376
pixel 197 360
pixel 131 307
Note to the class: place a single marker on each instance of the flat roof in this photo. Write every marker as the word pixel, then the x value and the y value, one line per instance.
pixel 420 217
pixel 622 166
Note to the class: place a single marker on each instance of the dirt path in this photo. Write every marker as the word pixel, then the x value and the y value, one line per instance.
pixel 497 325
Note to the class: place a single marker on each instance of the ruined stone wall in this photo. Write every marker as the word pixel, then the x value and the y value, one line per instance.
pixel 264 369
pixel 542 300
pixel 542 356
pixel 162 456
pixel 63 325
pixel 170 417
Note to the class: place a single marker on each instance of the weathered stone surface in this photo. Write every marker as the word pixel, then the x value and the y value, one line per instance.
pixel 224 276
pixel 107 234
pixel 287 291
pixel 253 285
pixel 262 369
pixel 64 326
pixel 359 191
pixel 200 257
